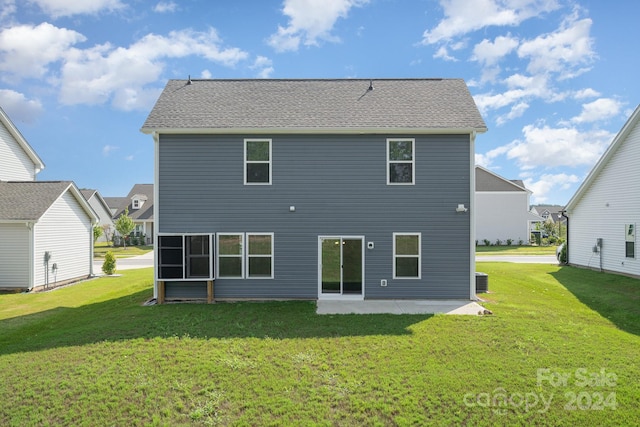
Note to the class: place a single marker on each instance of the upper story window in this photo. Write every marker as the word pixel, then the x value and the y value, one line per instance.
pixel 135 204
pixel 400 161
pixel 257 161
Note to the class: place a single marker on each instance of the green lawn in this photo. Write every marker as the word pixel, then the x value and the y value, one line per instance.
pixel 92 355
pixel 100 249
pixel 515 250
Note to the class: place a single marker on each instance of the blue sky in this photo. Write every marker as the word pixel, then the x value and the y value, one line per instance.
pixel 555 80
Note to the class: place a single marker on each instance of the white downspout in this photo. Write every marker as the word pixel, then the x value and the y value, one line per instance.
pixel 472 218
pixel 156 210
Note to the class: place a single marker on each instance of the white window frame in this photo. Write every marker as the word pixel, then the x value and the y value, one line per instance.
pixel 246 162
pixel 412 162
pixel 248 256
pixel 184 256
pixel 241 256
pixel 135 204
pixel 630 237
pixel 395 256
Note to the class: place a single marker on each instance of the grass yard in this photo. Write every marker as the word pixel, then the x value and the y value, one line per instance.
pixel 100 249
pixel 560 349
pixel 515 250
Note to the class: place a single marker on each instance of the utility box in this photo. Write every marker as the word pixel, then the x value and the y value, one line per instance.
pixel 482 282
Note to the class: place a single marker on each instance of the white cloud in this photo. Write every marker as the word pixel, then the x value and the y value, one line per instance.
pixel 129 158
pixel 27 51
pixel 205 74
pixel 564 51
pixel 520 89
pixel 586 93
pixel 264 66
pixel 107 149
pixel 544 185
pixel 104 72
pixel 7 9
pixel 165 7
pixel 600 109
pixel 465 16
pixel 545 147
pixel 516 111
pixel 309 22
pixel 59 8
pixel 489 53
pixel 443 53
pixel 18 107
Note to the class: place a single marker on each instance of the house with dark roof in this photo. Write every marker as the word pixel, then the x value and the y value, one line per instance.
pixel 314 189
pixel 502 209
pixel 101 208
pixel 604 213
pixel 139 204
pixel 46 227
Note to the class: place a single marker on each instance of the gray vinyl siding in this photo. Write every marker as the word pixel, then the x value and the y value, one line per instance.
pixel 14 256
pixel 15 164
pixel 338 186
pixel 65 231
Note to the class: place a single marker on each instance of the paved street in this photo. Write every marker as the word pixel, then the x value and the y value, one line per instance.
pixel 141 261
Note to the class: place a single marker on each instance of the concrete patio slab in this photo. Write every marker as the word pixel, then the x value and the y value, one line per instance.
pixel 461 307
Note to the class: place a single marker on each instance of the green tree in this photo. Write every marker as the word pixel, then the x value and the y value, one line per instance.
pixel 109 264
pixel 97 232
pixel 124 225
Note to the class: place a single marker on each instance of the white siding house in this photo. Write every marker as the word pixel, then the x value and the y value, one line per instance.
pixel 605 211
pixel 502 209
pixel 18 161
pixel 38 217
pixel 46 230
pixel 100 207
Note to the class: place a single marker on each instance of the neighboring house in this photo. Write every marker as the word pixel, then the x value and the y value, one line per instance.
pixel 551 213
pixel 605 211
pixel 502 209
pixel 347 189
pixel 18 161
pixel 46 234
pixel 115 203
pixel 46 230
pixel 139 203
pixel 100 207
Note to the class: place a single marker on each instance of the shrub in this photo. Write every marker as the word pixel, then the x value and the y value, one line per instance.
pixel 498 242
pixel 520 242
pixel 509 242
pixel 563 254
pixel 109 264
pixel 486 242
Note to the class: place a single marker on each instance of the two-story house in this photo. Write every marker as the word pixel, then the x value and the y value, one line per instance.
pixel 139 205
pixel 312 189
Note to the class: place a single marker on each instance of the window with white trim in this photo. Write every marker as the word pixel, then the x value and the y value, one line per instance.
pixel 630 240
pixel 245 255
pixel 407 259
pixel 230 255
pixel 257 161
pixel 260 255
pixel 400 161
pixel 185 256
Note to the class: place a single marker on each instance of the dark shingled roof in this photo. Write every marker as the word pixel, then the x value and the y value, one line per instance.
pixel 489 181
pixel 315 105
pixel 28 201
pixel 143 214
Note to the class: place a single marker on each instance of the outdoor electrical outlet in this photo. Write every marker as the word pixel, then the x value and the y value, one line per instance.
pixel 383 282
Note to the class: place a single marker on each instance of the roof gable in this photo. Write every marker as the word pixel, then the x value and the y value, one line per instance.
pixel 490 181
pixel 29 201
pixel 618 140
pixel 145 212
pixel 22 142
pixel 320 105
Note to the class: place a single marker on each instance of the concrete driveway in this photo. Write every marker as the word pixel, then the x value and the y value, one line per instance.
pixel 523 259
pixel 140 261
